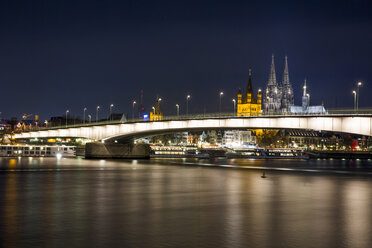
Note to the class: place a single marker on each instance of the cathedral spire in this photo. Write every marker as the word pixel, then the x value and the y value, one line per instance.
pixel 249 93
pixel 285 73
pixel 249 86
pixel 304 88
pixel 272 77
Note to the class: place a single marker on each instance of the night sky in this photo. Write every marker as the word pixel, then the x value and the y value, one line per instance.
pixel 58 55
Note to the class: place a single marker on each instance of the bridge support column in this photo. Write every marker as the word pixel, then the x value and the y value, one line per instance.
pixel 113 150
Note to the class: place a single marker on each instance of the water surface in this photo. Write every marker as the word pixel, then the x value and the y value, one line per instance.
pixel 46 202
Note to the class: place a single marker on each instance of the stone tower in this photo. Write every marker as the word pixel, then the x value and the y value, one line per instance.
pixel 272 99
pixel 287 90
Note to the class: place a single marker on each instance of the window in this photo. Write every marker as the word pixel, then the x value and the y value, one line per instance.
pixel 37 148
pixel 32 152
pixel 26 152
pixel 27 148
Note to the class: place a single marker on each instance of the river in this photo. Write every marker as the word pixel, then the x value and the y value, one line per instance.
pixel 73 202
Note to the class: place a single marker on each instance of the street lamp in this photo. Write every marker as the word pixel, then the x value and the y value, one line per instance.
pixel 234 101
pixel 178 109
pixel 98 107
pixel 355 95
pixel 221 94
pixel 134 103
pixel 90 118
pixel 153 109
pixel 357 104
pixel 85 109
pixel 308 99
pixel 111 106
pixel 187 104
pixel 46 123
pixel 67 111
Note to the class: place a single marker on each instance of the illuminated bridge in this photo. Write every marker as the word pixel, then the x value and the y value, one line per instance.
pixel 109 131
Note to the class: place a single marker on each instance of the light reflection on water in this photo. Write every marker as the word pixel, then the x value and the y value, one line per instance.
pixel 156 203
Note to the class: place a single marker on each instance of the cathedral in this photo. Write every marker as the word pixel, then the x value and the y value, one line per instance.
pixel 278 98
pixel 248 105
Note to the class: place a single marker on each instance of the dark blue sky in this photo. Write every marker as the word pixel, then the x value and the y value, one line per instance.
pixel 58 55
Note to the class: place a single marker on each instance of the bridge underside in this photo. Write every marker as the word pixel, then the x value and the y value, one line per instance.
pixel 360 125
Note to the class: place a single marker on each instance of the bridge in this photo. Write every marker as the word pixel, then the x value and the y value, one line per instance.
pixel 360 124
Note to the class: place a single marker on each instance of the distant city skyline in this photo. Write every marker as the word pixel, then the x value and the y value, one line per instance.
pixel 71 55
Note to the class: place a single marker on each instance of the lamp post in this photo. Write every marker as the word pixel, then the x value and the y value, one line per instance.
pixel 90 118
pixel 46 123
pixel 98 107
pixel 111 106
pixel 187 104
pixel 221 94
pixel 357 103
pixel 234 102
pixel 153 109
pixel 178 109
pixel 134 103
pixel 67 111
pixel 85 109
pixel 355 95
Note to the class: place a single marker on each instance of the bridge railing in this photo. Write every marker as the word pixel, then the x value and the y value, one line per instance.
pixel 331 112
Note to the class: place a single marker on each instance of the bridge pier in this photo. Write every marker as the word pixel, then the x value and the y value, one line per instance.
pixel 114 150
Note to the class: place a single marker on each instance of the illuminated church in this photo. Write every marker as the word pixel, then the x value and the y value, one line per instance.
pixel 156 114
pixel 247 104
pixel 279 98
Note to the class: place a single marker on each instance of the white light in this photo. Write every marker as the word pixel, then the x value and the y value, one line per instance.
pixel 59 155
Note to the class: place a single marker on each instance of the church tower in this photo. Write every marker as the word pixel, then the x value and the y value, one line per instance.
pixel 272 99
pixel 249 105
pixel 305 98
pixel 287 90
pixel 156 114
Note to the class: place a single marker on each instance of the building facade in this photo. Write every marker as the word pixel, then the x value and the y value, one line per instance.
pixel 247 104
pixel 305 108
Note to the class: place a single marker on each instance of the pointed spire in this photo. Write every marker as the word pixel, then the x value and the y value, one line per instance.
pixel 272 77
pixel 249 86
pixel 304 88
pixel 285 73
